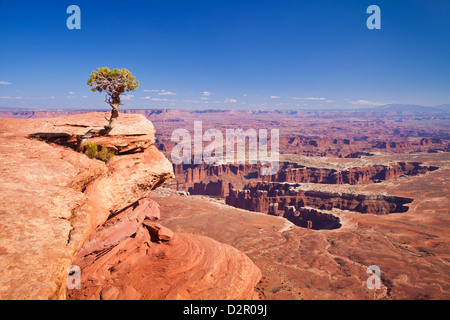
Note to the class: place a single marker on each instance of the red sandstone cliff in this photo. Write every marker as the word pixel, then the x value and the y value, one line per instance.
pixel 214 180
pixel 57 204
pixel 357 175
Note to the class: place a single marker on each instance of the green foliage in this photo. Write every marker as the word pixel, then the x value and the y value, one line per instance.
pixel 91 149
pixel 115 81
pixel 105 154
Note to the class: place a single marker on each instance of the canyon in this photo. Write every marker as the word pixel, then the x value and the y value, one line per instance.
pixel 354 188
pixel 411 248
pixel 281 197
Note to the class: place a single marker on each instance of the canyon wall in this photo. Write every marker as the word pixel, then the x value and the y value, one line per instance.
pixel 308 218
pixel 214 180
pixel 261 196
pixel 356 175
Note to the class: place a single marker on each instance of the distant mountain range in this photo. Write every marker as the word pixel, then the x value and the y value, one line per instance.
pixel 413 108
pixel 387 108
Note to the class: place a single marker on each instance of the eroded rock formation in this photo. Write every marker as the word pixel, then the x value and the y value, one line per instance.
pixel 56 201
pixel 214 180
pixel 132 256
pixel 262 196
pixel 356 175
pixel 307 217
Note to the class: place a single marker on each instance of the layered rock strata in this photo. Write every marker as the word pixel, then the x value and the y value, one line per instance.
pixel 214 180
pixel 262 196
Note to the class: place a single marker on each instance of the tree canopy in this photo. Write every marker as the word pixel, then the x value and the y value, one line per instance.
pixel 114 83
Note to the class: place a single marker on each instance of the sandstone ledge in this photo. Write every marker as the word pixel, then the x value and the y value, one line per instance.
pixel 52 197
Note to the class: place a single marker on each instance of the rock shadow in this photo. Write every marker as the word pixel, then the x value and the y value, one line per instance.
pixel 313 219
pixel 59 138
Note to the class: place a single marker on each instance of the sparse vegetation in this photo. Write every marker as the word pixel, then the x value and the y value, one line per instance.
pixel 105 154
pixel 91 149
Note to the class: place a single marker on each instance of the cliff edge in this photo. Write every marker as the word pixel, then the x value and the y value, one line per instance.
pixel 57 202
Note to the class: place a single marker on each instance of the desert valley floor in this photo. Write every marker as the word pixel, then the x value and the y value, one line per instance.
pixel 411 248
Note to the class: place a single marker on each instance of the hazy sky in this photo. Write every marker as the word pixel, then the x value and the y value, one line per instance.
pixel 227 54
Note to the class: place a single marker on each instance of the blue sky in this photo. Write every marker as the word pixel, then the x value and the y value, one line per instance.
pixel 227 54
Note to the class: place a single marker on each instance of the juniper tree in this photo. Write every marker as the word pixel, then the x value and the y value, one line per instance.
pixel 114 83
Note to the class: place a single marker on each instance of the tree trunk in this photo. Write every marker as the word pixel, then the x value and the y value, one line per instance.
pixel 112 119
pixel 114 103
pixel 81 139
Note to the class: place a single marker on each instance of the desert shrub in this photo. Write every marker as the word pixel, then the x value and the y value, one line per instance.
pixel 91 149
pixel 105 154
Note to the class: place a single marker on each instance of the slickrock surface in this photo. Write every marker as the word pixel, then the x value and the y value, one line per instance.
pixel 53 197
pixel 134 257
